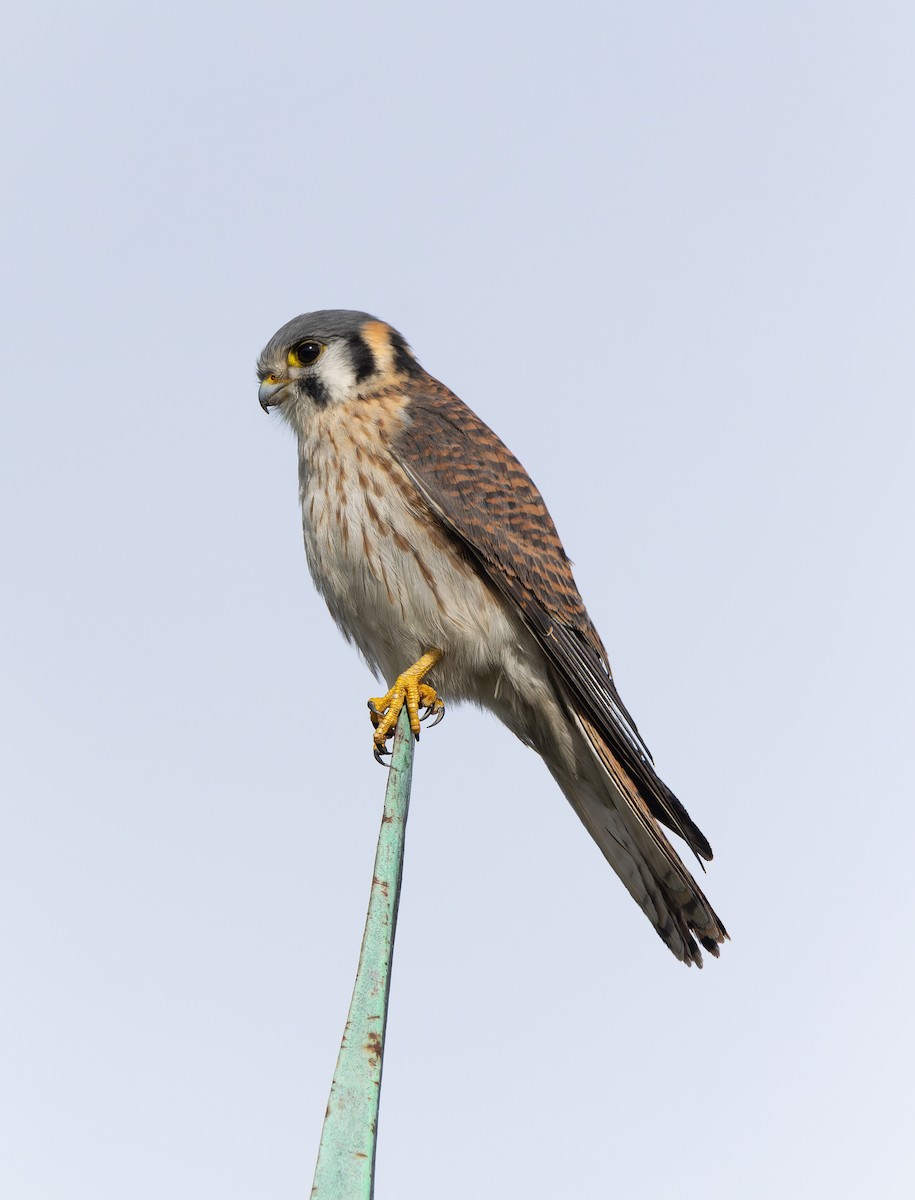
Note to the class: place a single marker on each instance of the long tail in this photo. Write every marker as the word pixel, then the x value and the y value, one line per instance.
pixel 631 840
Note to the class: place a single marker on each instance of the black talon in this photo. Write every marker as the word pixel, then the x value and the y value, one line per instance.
pixel 373 709
pixel 378 753
pixel 438 717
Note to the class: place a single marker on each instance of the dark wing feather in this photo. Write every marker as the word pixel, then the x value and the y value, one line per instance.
pixel 480 491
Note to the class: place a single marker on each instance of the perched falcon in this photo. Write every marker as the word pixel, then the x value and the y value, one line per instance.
pixel 437 557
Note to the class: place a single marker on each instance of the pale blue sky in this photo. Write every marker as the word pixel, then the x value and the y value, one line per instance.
pixel 666 251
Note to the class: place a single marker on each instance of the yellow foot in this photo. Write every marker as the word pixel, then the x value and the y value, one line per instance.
pixel 410 690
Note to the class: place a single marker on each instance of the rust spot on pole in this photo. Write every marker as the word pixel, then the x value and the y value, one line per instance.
pixel 373 1048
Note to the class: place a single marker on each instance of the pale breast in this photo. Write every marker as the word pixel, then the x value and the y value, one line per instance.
pixel 393 579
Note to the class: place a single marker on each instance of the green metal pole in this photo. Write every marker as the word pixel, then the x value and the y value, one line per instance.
pixel 346 1158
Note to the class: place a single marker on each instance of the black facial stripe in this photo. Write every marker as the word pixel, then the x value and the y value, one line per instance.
pixel 317 389
pixel 363 358
pixel 403 359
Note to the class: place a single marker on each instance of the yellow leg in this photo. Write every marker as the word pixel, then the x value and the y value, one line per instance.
pixel 410 690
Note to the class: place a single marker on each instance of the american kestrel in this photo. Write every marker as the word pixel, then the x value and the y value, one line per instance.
pixel 432 547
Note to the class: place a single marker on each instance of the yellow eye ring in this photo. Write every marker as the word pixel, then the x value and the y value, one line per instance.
pixel 304 354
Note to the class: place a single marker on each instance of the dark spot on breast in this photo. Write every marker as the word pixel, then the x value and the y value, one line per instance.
pixel 373 514
pixel 429 578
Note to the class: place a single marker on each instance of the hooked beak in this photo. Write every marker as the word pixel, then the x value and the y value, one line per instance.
pixel 269 395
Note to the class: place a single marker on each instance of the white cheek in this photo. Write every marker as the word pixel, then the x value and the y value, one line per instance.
pixel 336 372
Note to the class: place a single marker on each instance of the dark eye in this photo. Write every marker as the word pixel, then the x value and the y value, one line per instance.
pixel 304 354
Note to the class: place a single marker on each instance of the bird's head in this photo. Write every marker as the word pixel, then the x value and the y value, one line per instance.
pixel 329 357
